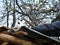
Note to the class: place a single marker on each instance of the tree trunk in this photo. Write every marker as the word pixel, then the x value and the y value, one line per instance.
pixel 14 18
pixel 7 13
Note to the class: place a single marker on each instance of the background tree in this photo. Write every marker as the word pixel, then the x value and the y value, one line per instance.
pixel 33 12
pixel 14 18
pixel 36 12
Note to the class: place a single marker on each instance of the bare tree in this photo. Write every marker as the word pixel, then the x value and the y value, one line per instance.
pixel 36 12
pixel 14 18
pixel 7 13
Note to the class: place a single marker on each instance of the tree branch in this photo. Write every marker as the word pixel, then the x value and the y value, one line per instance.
pixel 19 6
pixel 24 14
